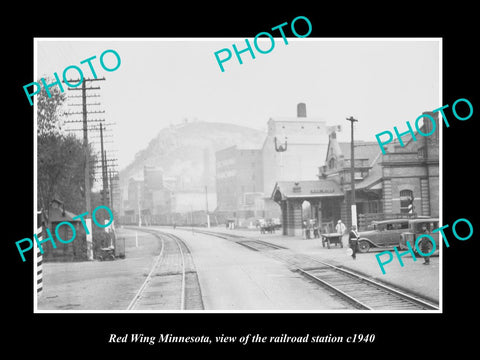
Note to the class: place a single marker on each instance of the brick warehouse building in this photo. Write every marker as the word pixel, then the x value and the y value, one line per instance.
pixel 385 184
pixel 239 183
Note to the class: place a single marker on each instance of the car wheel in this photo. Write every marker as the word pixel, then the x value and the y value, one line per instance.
pixel 363 246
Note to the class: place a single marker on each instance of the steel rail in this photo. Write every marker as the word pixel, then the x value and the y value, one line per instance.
pixel 182 295
pixel 377 284
pixel 356 276
pixel 357 302
pixel 176 239
pixel 147 280
pixel 239 237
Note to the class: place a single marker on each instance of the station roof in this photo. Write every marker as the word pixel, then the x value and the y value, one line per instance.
pixel 57 213
pixel 306 189
pixel 363 150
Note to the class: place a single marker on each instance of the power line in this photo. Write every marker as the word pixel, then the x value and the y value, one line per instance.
pixel 85 121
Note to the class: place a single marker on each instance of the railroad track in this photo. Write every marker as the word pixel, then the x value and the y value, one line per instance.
pixel 172 282
pixel 364 293
pixel 357 290
pixel 253 244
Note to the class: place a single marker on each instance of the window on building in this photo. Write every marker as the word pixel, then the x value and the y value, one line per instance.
pixel 331 163
pixel 373 206
pixel 406 201
pixel 421 152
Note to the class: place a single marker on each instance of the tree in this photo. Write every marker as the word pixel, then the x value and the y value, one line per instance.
pixel 60 157
pixel 48 109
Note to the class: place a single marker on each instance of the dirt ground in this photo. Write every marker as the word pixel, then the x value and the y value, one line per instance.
pixel 99 285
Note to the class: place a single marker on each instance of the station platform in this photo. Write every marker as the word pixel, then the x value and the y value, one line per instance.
pixel 414 277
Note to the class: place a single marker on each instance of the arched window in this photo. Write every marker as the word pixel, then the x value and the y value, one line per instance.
pixel 331 163
pixel 406 201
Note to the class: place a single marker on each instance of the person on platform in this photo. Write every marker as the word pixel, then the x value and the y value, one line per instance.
pixel 316 233
pixel 308 230
pixel 354 241
pixel 425 246
pixel 342 230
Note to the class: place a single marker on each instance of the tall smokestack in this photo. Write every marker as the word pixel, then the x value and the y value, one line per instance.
pixel 301 110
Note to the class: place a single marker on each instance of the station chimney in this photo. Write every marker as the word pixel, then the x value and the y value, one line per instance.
pixel 301 110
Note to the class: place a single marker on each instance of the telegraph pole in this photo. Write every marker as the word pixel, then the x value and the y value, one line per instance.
pixel 88 201
pixel 104 168
pixel 352 175
pixel 110 182
pixel 106 188
pixel 206 207
pixel 138 204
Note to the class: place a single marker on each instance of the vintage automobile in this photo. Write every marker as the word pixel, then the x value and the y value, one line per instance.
pixel 385 233
pixel 416 228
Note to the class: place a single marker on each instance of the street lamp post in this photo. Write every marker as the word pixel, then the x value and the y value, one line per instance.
pixel 352 175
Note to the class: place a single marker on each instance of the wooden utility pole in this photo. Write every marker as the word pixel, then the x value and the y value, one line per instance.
pixel 206 207
pixel 106 188
pixel 352 174
pixel 88 201
pixel 104 168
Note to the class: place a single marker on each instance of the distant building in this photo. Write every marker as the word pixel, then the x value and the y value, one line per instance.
pixel 115 197
pixel 239 182
pixel 156 196
pixel 292 151
pixel 134 201
pixel 293 148
pixel 135 189
pixel 158 200
pixel 184 202
pixel 152 177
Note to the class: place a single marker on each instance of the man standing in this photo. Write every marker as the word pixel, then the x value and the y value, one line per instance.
pixel 342 230
pixel 354 241
pixel 425 246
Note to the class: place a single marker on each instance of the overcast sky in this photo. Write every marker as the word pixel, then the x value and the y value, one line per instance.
pixel 382 82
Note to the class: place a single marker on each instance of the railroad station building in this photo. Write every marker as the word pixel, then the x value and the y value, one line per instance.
pixel 386 185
